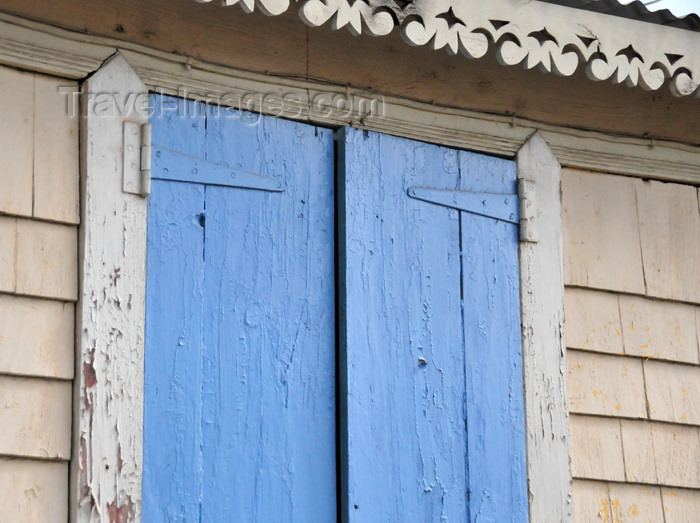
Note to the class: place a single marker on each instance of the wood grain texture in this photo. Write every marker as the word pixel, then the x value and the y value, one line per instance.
pixel 17 142
pixel 284 45
pixel 544 366
pixel 662 453
pixel 598 254
pixel 659 329
pixel 107 463
pixel 680 505
pixel 8 254
pixel 676 454
pixel 640 465
pixel 56 177
pixel 33 491
pixel 172 472
pixel 591 500
pixel 490 277
pixel 47 258
pixel 49 49
pixel 433 391
pixel 596 449
pixel 240 375
pixel 36 337
pixel 636 503
pixel 605 385
pixel 673 392
pixel 697 327
pixel 36 418
pixel 593 321
pixel 669 225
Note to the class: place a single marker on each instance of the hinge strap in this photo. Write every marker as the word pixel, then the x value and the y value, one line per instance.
pixel 137 158
pixel 499 206
pixel 179 167
pixel 145 159
pixel 528 210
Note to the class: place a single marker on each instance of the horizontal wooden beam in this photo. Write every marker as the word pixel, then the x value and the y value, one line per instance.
pixel 552 38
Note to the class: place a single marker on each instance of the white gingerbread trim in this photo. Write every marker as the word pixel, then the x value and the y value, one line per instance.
pixel 552 38
pixel 68 54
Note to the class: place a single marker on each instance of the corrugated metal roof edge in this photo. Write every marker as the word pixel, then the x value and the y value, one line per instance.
pixel 635 11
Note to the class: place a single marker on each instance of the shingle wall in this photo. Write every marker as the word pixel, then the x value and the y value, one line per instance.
pixel 632 268
pixel 39 214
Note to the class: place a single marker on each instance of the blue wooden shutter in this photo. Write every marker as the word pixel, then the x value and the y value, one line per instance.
pixel 240 335
pixel 431 368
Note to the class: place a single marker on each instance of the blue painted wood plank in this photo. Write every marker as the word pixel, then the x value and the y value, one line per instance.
pixel 173 360
pixel 252 437
pixel 178 125
pixel 402 335
pixel 410 353
pixel 268 393
pixel 492 334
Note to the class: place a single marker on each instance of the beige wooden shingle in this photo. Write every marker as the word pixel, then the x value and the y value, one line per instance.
pixel 677 455
pixel 636 503
pixel 638 444
pixel 56 182
pixel 35 417
pixel 659 329
pixel 605 385
pixel 36 337
pixel 593 321
pixel 16 141
pixel 673 392
pixel 669 224
pixel 697 327
pixel 596 448
pixel 33 491
pixel 47 259
pixel 661 453
pixel 681 505
pixel 601 233
pixel 8 252
pixel 591 502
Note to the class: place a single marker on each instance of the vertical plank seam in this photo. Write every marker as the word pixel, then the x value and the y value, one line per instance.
pixel 646 392
pixel 464 343
pixel 15 285
pixel 663 505
pixel 697 330
pixel 622 447
pixel 622 327
pixel 639 237
pixel 33 134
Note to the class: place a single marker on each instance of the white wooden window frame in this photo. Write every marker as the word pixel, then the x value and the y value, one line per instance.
pixel 109 418
pixel 108 421
pixel 107 472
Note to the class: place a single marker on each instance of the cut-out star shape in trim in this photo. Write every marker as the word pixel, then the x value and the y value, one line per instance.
pixel 451 18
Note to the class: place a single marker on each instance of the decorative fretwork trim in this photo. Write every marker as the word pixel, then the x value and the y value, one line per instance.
pixel 551 38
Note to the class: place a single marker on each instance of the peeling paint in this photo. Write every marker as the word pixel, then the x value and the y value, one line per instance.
pixel 106 461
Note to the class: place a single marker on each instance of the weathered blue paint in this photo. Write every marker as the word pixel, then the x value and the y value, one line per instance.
pixel 431 380
pixel 492 341
pixel 172 410
pixel 240 340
